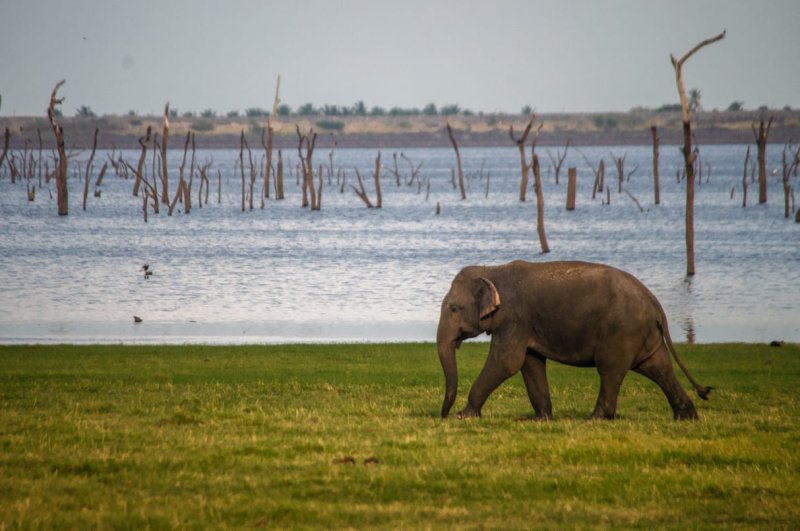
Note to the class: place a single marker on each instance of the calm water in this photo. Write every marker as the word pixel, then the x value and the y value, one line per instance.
pixel 283 273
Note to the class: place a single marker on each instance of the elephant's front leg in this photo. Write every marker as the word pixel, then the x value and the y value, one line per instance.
pixel 505 359
pixel 534 372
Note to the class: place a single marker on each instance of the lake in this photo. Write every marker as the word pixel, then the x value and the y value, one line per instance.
pixel 282 273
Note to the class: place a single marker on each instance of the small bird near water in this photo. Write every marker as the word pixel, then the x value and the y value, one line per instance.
pixel 147 271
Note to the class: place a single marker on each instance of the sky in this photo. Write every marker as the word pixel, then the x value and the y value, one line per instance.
pixel 119 56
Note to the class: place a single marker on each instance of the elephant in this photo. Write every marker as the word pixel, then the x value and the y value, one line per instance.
pixel 577 313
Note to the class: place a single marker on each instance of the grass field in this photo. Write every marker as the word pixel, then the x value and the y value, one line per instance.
pixel 333 436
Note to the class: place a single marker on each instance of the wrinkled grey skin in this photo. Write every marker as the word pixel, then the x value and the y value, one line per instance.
pixel 576 313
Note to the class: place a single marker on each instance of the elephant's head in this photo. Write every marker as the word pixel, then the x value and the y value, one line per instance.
pixel 472 299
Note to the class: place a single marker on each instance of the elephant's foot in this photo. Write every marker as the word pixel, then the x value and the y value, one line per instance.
pixel 469 412
pixel 685 412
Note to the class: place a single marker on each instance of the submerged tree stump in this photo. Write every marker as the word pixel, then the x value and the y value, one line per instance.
pixel 572 184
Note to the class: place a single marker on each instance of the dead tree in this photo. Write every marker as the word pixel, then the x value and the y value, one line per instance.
pixel 307 166
pixel 413 171
pixel 656 184
pixel 761 141
pixel 179 193
pixel 744 177
pixel 149 192
pixel 558 159
pixel 394 170
pixel 689 156
pixel 788 169
pixel 89 168
pixel 279 177
pixel 62 194
pixel 360 191
pixel 377 176
pixel 164 138
pixel 140 165
pixel 252 172
pixel 241 166
pixel 458 162
pixel 537 184
pixel 619 162
pixel 520 142
pixel 6 140
pixel 572 183
pixel 268 145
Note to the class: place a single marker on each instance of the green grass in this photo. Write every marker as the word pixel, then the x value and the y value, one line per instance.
pixel 277 436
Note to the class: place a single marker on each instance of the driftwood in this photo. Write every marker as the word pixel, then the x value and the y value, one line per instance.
pixel 62 194
pixel 458 162
pixel 689 156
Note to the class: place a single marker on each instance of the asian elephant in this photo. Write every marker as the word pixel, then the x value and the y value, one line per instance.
pixel 577 313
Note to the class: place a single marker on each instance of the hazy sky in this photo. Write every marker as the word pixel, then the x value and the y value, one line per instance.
pixel 498 55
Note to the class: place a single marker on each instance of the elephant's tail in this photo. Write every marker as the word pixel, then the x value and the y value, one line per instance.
pixel 702 391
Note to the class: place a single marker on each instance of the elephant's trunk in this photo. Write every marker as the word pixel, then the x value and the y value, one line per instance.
pixel 447 356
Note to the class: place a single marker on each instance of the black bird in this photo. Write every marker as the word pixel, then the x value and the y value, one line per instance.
pixel 147 271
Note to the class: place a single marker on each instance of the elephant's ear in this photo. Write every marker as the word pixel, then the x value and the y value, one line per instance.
pixel 490 299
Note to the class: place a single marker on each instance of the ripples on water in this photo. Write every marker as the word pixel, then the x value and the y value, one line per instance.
pixel 283 273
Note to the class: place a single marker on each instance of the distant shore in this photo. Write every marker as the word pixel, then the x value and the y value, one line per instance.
pixel 386 132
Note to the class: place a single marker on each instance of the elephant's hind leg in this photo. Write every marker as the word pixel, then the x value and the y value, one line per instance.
pixel 534 372
pixel 606 406
pixel 658 368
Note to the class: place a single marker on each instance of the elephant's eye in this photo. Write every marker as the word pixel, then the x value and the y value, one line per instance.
pixel 453 308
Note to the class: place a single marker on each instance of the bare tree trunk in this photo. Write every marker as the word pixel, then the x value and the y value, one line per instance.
pixel 179 191
pixel 619 162
pixel 744 177
pixel 520 142
pixel 377 176
pixel 241 166
pixel 761 142
pixel 307 165
pixel 599 175
pixel 320 180
pixel 62 194
pixel 140 165
pixel 656 183
pixel 164 138
pixel 537 184
pixel 572 184
pixel 89 169
pixel 360 191
pixel 458 162
pixel 279 177
pixel 6 140
pixel 558 159
pixel 689 156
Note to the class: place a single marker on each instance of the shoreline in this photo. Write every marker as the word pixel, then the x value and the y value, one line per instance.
pixel 419 131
